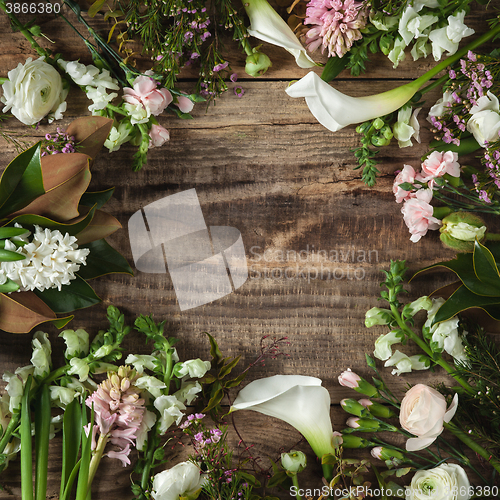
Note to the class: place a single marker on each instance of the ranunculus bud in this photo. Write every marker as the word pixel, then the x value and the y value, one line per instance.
pixel 293 462
pixel 257 63
pixel 184 480
pixel 460 230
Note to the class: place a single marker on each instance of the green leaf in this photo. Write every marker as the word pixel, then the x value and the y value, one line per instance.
pixel 214 349
pixel 463 299
pixel 42 432
pixel 10 256
pixel 73 227
pixel 71 440
pixel 97 198
pixel 26 444
pixel 9 286
pixel 101 226
pixel 214 400
pixel 10 232
pixel 77 295
pixel 226 369
pixel 485 268
pixel 103 259
pixel 90 133
pixel 277 479
pixel 235 381
pixel 95 7
pixel 21 181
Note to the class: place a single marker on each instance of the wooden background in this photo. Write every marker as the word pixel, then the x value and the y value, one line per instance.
pixel 262 164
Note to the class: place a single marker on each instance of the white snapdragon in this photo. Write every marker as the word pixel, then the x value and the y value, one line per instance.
pixel 384 343
pixel 407 127
pixel 77 342
pixel 79 367
pixel 195 368
pixel 151 384
pixel 448 37
pixel 141 361
pixel 445 334
pixel 62 396
pixel 51 261
pixel 170 410
pixel 412 24
pixel 405 364
pixel 147 422
pixel 188 392
pixel 397 53
pixel 118 136
pixel 41 358
pixel 15 385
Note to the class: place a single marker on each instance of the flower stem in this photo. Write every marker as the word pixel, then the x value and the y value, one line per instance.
pixel 96 458
pixel 295 482
pixel 475 447
pixel 327 471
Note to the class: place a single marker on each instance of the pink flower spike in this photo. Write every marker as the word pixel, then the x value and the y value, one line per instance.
pixel 121 455
pixel 438 163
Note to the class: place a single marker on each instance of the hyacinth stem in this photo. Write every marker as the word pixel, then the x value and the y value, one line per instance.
pixel 96 458
pixel 475 447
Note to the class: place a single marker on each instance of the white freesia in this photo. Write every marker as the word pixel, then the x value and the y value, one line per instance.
pixel 421 48
pixel 99 97
pixel 138 113
pixel 184 480
pixel 151 384
pixel 77 342
pixel 170 410
pixel 33 90
pixel 484 123
pixel 383 344
pixel 445 334
pixel 335 110
pixel 445 482
pixel 195 368
pixel 298 400
pixel 442 104
pixel 141 361
pixel 78 72
pixel 267 25
pixel 41 357
pixel 407 127
pixel 412 24
pixel 52 259
pixel 405 364
pixel 448 37
pixel 188 392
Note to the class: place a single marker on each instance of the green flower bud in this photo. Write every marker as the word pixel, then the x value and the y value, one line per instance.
pixel 363 128
pixel 352 441
pixel 378 140
pixel 386 131
pixel 378 123
pixel 377 316
pixel 354 407
pixel 257 63
pixel 461 229
pixel 369 425
pixel 383 453
pixel 293 462
pixel 377 409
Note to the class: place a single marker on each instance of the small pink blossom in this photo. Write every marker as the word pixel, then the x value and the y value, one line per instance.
pixel 438 163
pixel 337 25
pixel 417 214
pixel 184 104
pixel 349 379
pixel 145 92
pixel 158 136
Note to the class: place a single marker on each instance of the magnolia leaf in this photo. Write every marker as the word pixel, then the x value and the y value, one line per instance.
pixel 25 312
pixel 61 202
pixel 103 259
pixel 463 299
pixel 78 294
pixel 90 132
pixel 101 226
pixel 21 181
pixel 97 198
pixel 72 227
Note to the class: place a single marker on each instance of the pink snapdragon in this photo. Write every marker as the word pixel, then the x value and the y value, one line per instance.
pixel 158 136
pixel 337 24
pixel 145 91
pixel 439 163
pixel 418 214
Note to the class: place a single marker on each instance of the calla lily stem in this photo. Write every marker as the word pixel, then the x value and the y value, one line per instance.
pixel 327 471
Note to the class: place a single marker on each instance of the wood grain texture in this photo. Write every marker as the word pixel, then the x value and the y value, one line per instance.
pixel 260 163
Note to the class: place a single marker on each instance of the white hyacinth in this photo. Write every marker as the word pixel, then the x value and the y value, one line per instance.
pixel 52 259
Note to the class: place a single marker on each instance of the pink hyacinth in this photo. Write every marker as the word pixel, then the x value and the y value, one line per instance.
pixel 417 214
pixel 145 92
pixel 337 25
pixel 118 413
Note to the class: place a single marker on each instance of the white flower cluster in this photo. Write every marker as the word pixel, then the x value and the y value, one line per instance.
pixel 427 34
pixel 52 259
pixel 94 81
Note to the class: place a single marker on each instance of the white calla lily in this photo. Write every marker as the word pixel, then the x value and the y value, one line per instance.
pixel 267 25
pixel 335 110
pixel 298 400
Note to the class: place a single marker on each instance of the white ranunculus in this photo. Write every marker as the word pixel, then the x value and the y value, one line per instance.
pixel 442 104
pixel 412 24
pixel 448 37
pixel 484 123
pixel 405 364
pixel 188 392
pixel 445 482
pixel 195 368
pixel 407 127
pixel 465 232
pixel 445 334
pixel 335 110
pixel 33 90
pixel 298 400
pixel 267 25
pixel 423 412
pixel 383 344
pixel 77 342
pixel 184 480
pixel 170 410
pixel 294 461
pixel 41 358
